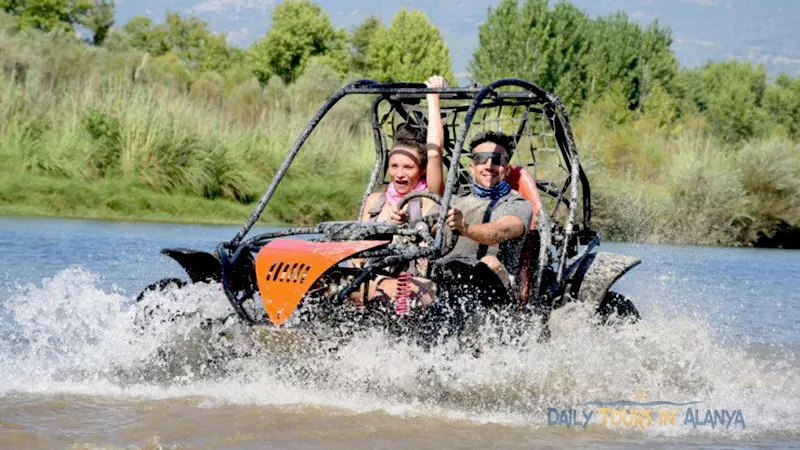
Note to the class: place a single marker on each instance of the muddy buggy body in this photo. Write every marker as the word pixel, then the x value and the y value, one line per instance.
pixel 304 277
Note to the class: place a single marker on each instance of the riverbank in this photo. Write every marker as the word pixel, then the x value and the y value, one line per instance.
pixel 38 196
pixel 27 195
pixel 698 196
pixel 24 195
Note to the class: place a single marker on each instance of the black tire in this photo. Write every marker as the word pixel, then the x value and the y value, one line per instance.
pixel 162 285
pixel 616 307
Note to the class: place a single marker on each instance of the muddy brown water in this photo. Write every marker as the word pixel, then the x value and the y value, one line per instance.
pixel 78 368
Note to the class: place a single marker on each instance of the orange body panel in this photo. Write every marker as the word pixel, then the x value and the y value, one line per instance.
pixel 287 268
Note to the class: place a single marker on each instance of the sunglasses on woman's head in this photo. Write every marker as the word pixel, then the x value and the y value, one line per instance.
pixel 498 159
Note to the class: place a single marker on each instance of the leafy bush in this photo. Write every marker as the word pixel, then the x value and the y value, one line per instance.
pixel 769 172
pixel 105 131
pixel 708 202
pixel 246 102
pixel 227 176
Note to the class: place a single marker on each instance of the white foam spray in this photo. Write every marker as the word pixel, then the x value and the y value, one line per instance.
pixel 69 335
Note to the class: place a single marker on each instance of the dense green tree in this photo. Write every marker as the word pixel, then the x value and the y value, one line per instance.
pixel 548 46
pixel 95 15
pixel 689 96
pixel 658 64
pixel 143 34
pixel 360 37
pixel 99 20
pixel 730 95
pixel 300 30
pixel 615 55
pixel 638 58
pixel 782 105
pixel 47 15
pixel 562 50
pixel 411 49
pixel 567 68
pixel 659 106
pixel 509 44
pixel 612 107
pixel 189 38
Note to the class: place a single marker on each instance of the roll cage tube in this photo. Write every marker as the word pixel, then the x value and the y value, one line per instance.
pixel 563 131
pixel 380 153
pixel 290 157
pixel 575 169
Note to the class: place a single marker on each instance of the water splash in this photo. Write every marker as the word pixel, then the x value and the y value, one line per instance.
pixel 69 335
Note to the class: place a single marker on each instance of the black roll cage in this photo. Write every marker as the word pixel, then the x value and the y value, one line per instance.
pixel 577 183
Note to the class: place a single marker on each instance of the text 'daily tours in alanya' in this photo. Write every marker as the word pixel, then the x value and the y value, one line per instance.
pixel 646 415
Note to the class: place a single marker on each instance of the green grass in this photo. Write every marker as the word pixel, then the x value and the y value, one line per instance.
pixel 35 195
pixel 23 194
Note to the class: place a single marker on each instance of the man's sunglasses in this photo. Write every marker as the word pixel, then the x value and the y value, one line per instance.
pixel 498 159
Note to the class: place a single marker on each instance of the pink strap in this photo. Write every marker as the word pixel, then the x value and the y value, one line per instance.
pixel 403 295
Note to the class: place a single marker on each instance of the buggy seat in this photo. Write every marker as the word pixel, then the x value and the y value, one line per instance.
pixel 522 181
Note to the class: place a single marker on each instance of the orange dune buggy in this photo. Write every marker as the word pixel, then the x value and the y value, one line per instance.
pixel 303 277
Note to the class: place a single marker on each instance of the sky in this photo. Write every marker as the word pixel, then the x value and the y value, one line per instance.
pixel 761 31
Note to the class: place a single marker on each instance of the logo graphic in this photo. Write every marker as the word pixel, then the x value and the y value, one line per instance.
pixel 643 414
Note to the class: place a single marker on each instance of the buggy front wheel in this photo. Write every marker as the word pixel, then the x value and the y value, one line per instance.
pixel 616 307
pixel 161 286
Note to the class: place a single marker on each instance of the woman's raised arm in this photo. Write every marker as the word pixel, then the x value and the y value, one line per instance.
pixel 435 141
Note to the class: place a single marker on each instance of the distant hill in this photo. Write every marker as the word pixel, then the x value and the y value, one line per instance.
pixel 762 31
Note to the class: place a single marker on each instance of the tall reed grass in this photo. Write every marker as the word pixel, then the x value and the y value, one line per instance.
pixel 68 111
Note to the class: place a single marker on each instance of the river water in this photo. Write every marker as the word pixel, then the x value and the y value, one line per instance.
pixel 78 369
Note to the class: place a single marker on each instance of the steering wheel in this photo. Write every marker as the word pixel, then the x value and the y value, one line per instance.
pixel 429 220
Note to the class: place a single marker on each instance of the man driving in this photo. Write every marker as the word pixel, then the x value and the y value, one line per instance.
pixel 492 219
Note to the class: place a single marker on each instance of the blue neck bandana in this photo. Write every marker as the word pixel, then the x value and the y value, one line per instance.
pixel 495 193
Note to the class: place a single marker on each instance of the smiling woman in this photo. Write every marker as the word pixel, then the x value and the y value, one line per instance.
pixel 407 170
pixel 414 165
